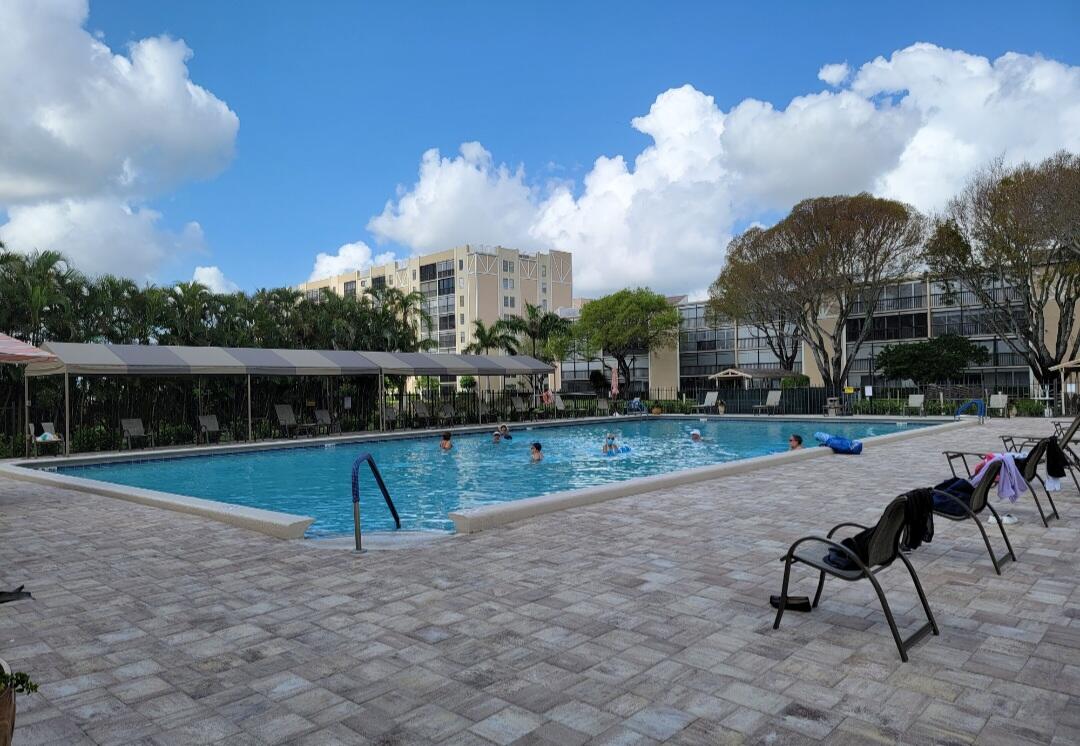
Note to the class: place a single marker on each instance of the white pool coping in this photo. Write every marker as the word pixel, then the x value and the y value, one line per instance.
pixel 289 526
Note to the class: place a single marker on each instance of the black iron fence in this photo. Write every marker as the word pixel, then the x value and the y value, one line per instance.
pixel 170 407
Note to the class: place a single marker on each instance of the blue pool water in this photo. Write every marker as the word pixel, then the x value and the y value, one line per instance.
pixel 427 483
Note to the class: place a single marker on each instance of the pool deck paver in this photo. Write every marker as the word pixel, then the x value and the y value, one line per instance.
pixel 635 621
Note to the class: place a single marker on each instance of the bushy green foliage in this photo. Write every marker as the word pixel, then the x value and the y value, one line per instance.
pixel 796 381
pixel 937 360
pixel 1029 408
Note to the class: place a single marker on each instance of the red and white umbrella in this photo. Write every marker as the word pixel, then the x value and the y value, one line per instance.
pixel 614 382
pixel 14 351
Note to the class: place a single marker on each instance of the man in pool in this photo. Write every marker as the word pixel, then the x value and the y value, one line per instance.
pixel 504 431
pixel 445 443
pixel 496 436
pixel 695 436
pixel 610 446
pixel 794 442
pixel 535 452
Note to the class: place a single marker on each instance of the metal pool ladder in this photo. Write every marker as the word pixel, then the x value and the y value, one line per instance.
pixel 366 457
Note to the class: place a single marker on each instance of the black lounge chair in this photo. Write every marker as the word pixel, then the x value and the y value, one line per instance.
pixel 883 550
pixel 324 421
pixel 1065 436
pixel 1030 474
pixel 287 421
pixel 132 430
pixel 977 503
pixel 208 425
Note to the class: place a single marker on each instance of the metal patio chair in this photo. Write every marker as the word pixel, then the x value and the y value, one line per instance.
pixel 883 550
pixel 1065 436
pixel 709 405
pixel 324 421
pixel 421 412
pixel 978 502
pixel 208 425
pixel 287 421
pixel 447 414
pixel 916 402
pixel 50 428
pixel 1030 474
pixel 772 403
pixel 132 430
pixel 999 402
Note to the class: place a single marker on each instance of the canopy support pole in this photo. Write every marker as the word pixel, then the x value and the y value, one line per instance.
pixel 27 433
pixel 1062 372
pixel 382 402
pixel 249 405
pixel 67 414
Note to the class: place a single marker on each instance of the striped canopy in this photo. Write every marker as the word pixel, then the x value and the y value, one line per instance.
pixel 14 351
pixel 169 360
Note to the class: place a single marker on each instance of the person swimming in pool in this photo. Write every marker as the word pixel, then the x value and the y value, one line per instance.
pixel 536 452
pixel 610 446
pixel 795 442
pixel 505 432
pixel 695 436
pixel 445 443
pixel 496 436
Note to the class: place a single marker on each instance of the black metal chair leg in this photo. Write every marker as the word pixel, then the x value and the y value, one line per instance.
pixel 783 592
pixel 1039 506
pixel 889 618
pixel 820 586
pixel 1048 496
pixel 922 594
pixel 1001 527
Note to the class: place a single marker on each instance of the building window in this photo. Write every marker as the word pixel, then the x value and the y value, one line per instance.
pixel 363 283
pixel 313 295
pixel 512 301
pixel 462 318
pixel 543 270
pixel 461 265
pixel 544 304
pixel 414 275
pixel 506 301
pixel 378 282
pixel 462 337
pixel 350 288
pixel 543 287
pixel 508 266
pixel 427 272
pixel 461 301
pixel 508 283
pixel 390 280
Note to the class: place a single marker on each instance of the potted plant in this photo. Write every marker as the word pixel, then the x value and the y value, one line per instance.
pixel 655 408
pixel 10 685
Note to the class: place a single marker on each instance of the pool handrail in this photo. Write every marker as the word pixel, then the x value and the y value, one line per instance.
pixel 367 457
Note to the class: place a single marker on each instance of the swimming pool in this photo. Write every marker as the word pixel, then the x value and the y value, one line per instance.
pixel 426 483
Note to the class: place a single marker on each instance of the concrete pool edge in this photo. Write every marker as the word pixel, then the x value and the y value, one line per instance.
pixel 291 526
pixel 270 522
pixel 492 516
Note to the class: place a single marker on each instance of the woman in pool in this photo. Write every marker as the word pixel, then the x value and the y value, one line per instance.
pixel 535 452
pixel 504 431
pixel 695 436
pixel 794 442
pixel 610 446
pixel 445 443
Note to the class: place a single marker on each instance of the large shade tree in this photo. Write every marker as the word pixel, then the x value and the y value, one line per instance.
pixel 628 323
pixel 1012 240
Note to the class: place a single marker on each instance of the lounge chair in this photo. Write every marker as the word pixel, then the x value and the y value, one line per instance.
pixel 560 405
pixel 420 412
pixel 208 425
pixel 482 411
pixel 916 402
pixel 46 427
pixel 287 421
pixel 883 550
pixel 603 407
pixel 324 421
pixel 447 415
pixel 132 429
pixel 710 402
pixel 390 416
pixel 772 402
pixel 1030 473
pixel 975 505
pixel 999 402
pixel 521 409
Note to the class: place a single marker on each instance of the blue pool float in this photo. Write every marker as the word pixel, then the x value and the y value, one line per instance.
pixel 838 444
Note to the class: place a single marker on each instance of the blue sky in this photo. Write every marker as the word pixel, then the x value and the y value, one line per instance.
pixel 338 100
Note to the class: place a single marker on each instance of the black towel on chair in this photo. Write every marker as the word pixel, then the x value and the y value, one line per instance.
pixel 16 595
pixel 919 516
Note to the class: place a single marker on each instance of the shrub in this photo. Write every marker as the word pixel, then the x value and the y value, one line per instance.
pixel 796 381
pixel 95 438
pixel 1029 408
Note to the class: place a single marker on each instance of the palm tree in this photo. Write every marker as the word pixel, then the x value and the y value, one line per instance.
pixel 537 326
pixel 37 283
pixel 495 337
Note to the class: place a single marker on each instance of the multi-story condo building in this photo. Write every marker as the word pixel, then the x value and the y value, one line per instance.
pixel 465 284
pixel 914 310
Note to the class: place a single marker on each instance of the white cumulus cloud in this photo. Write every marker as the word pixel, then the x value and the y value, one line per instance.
pixel 214 279
pixel 349 257
pixel 88 135
pixel 910 126
pixel 835 73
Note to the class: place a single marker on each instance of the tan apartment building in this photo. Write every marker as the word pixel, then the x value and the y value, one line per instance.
pixel 466 284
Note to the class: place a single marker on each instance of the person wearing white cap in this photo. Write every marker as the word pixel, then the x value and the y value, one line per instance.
pixel 695 435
